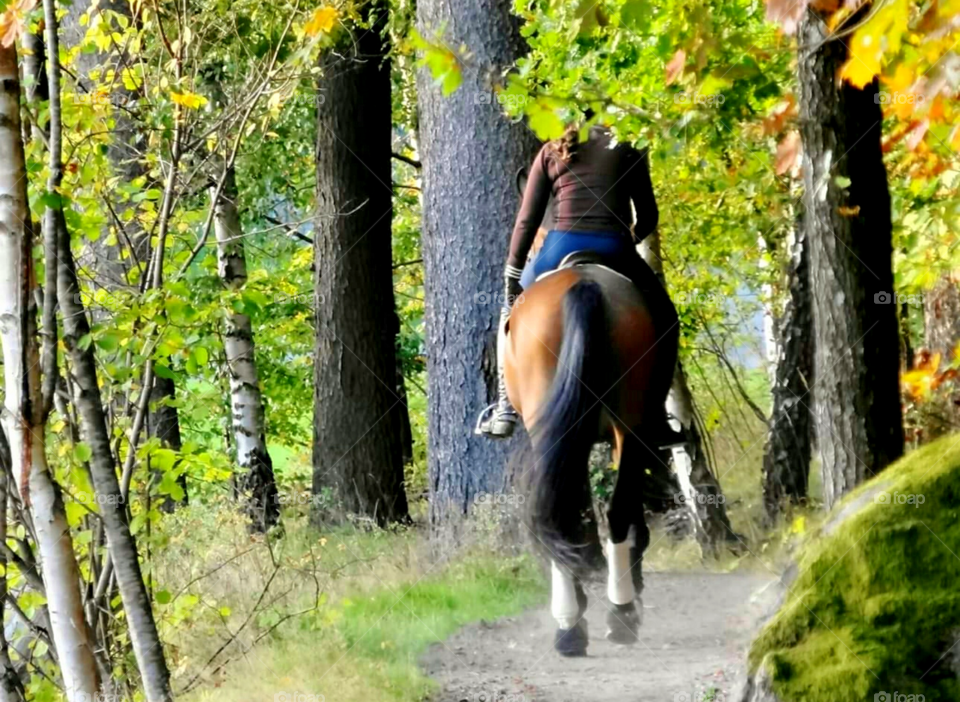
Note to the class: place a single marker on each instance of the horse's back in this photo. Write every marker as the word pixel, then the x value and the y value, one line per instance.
pixel 536 334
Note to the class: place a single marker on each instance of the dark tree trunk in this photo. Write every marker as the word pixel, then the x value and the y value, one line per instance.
pixel 358 447
pixel 471 154
pixel 847 224
pixel 786 458
pixel 163 422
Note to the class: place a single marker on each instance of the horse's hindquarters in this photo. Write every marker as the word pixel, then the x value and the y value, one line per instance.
pixel 535 338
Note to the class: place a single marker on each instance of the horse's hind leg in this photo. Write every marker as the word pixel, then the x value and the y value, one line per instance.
pixel 568 605
pixel 624 579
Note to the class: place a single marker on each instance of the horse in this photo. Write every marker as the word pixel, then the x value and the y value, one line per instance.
pixel 584 362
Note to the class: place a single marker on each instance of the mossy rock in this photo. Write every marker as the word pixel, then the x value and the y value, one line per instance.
pixel 875 603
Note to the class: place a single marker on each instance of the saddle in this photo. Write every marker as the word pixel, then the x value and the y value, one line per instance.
pixel 590 258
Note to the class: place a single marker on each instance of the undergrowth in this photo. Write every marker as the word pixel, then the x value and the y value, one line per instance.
pixel 340 614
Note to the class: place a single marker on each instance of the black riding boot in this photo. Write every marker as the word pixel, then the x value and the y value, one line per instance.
pixel 667 325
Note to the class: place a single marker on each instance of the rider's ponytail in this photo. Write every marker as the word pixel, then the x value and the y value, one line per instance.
pixel 566 146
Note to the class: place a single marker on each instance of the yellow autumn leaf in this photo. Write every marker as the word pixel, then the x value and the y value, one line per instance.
pixel 188 99
pixel 881 34
pixel 322 21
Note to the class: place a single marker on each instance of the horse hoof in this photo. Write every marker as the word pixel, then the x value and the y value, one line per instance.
pixel 623 624
pixel 572 643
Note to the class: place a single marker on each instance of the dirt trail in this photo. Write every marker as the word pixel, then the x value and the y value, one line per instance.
pixel 692 645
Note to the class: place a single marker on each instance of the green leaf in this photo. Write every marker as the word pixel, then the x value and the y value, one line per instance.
pixel 108 342
pixel 82 452
pixel 163 597
pixel 163 371
pixel 636 15
pixel 201 355
pixel 544 121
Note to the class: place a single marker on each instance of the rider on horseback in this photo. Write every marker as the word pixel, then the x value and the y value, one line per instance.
pixel 592 184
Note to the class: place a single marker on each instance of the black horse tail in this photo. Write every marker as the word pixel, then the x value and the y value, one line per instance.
pixel 566 427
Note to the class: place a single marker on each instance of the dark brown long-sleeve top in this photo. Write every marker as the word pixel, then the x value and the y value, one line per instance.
pixel 592 193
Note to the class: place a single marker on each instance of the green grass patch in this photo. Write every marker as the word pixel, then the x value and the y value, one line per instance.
pixel 381 613
pixel 393 627
pixel 876 607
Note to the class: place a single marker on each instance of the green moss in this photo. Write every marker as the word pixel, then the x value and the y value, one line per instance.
pixel 876 602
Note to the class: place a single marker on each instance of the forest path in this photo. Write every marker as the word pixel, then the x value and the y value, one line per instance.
pixel 693 642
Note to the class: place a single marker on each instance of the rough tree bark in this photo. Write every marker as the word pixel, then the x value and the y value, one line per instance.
pixel 121 544
pixel 470 155
pixel 848 227
pixel 941 321
pixel 358 441
pixel 255 482
pixel 786 458
pixel 24 415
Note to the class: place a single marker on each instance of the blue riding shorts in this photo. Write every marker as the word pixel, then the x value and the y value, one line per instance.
pixel 560 244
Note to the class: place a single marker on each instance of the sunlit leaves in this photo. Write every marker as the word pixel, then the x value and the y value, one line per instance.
pixel 322 21
pixel 189 100
pixel 442 62
pixel 674 69
pixel 881 34
pixel 13 20
pixel 788 153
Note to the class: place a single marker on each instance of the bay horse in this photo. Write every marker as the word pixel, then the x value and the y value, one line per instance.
pixel 583 362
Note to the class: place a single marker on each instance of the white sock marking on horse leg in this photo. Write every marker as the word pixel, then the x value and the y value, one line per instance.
pixel 619 580
pixel 564 606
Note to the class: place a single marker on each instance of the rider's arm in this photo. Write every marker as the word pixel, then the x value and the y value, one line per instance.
pixel 534 205
pixel 643 199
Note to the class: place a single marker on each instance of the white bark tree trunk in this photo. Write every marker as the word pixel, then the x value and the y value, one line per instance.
pixel 256 481
pixel 121 544
pixel 771 348
pixel 23 411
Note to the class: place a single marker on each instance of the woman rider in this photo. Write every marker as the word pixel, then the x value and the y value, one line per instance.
pixel 592 184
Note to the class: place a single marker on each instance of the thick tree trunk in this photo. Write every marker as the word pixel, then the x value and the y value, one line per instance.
pixel 471 154
pixel 786 459
pixel 847 224
pixel 358 441
pixel 121 544
pixel 23 415
pixel 255 483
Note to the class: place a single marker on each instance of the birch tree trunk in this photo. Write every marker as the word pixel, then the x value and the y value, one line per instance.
pixel 848 227
pixel 11 686
pixel 23 415
pixel 121 544
pixel 256 484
